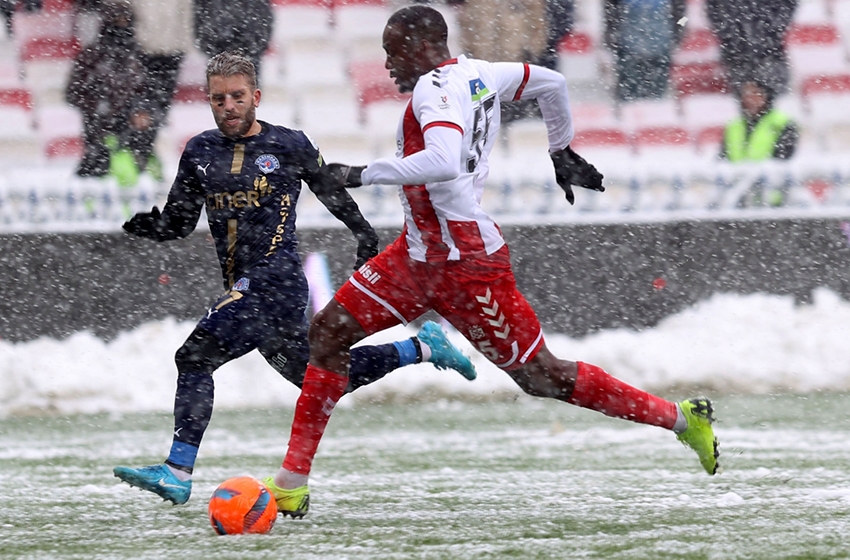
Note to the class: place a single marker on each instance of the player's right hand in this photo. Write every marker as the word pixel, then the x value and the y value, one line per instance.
pixel 347 176
pixel 143 224
pixel 572 169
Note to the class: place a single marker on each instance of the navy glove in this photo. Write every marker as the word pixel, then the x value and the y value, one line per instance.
pixel 347 176
pixel 367 247
pixel 143 224
pixel 572 169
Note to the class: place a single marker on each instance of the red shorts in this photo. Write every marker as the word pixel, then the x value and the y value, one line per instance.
pixel 478 297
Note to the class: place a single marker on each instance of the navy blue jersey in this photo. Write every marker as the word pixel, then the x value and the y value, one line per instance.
pixel 249 187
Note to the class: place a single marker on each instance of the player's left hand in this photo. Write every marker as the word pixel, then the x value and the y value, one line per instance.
pixel 367 247
pixel 347 176
pixel 143 224
pixel 572 169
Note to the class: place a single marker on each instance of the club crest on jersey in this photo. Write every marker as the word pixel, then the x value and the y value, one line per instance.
pixel 241 285
pixel 267 163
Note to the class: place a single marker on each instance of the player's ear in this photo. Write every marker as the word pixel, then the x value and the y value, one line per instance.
pixel 257 96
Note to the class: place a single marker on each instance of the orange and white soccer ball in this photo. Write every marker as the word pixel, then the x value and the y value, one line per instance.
pixel 242 505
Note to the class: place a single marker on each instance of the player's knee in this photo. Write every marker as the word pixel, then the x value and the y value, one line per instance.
pixel 202 352
pixel 290 366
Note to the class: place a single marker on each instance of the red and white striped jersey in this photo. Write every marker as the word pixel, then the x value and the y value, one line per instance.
pixel 444 140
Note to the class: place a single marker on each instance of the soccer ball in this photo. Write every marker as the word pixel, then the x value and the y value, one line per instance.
pixel 242 505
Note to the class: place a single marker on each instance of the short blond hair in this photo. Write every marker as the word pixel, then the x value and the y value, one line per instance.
pixel 228 64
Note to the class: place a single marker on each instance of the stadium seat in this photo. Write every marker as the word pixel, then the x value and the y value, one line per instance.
pixel 661 149
pixel 16 106
pixel 58 121
pixel 577 57
pixel 298 20
pixel 593 115
pixel 42 24
pixel 708 109
pixel 46 63
pixel 709 139
pixel 372 84
pixel 609 149
pixel 64 147
pixel 814 49
pixel 359 27
pixel 18 140
pixel 698 45
pixel 649 112
pixel 827 102
pixel 813 12
pixel 698 77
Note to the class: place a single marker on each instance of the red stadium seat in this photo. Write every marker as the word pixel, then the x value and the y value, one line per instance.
pixel 16 97
pixel 699 44
pixel 600 137
pixel 50 48
pixel 661 136
pixel 833 83
pixel 709 139
pixel 698 77
pixel 372 82
pixel 576 43
pixel 64 147
pixel 811 34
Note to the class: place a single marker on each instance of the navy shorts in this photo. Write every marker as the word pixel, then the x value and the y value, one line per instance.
pixel 266 310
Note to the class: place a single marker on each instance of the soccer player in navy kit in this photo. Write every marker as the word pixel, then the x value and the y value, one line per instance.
pixel 247 174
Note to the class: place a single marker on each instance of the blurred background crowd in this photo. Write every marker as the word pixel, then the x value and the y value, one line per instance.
pixel 693 105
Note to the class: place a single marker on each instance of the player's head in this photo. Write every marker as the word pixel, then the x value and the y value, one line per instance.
pixel 415 40
pixel 234 97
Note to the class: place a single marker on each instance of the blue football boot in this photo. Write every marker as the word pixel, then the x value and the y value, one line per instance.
pixel 157 479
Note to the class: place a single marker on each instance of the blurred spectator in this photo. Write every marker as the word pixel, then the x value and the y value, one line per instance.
pixel 243 26
pixel 642 35
pixel 107 85
pixel 8 7
pixel 761 132
pixel 752 40
pixel 506 31
pixel 560 17
pixel 163 31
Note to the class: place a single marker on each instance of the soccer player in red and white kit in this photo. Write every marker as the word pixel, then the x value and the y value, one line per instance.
pixel 451 256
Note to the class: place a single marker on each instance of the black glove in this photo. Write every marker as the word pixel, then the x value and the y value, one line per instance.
pixel 143 224
pixel 347 176
pixel 571 169
pixel 367 247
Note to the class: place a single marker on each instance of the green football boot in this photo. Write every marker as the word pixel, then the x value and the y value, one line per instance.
pixel 699 435
pixel 294 503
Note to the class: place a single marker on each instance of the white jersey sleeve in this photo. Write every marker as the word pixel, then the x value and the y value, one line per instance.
pixel 515 81
pixel 439 161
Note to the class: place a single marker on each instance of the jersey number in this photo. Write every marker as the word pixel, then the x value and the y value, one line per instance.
pixel 481 120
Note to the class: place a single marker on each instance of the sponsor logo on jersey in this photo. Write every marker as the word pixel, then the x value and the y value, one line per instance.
pixel 477 89
pixel 267 163
pixel 444 102
pixel 241 285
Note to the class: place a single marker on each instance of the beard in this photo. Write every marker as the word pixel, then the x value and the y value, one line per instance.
pixel 240 128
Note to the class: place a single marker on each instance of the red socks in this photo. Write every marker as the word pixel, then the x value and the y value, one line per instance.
pixel 599 391
pixel 320 392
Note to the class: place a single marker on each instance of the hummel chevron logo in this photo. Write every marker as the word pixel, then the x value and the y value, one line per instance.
pixel 493 311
